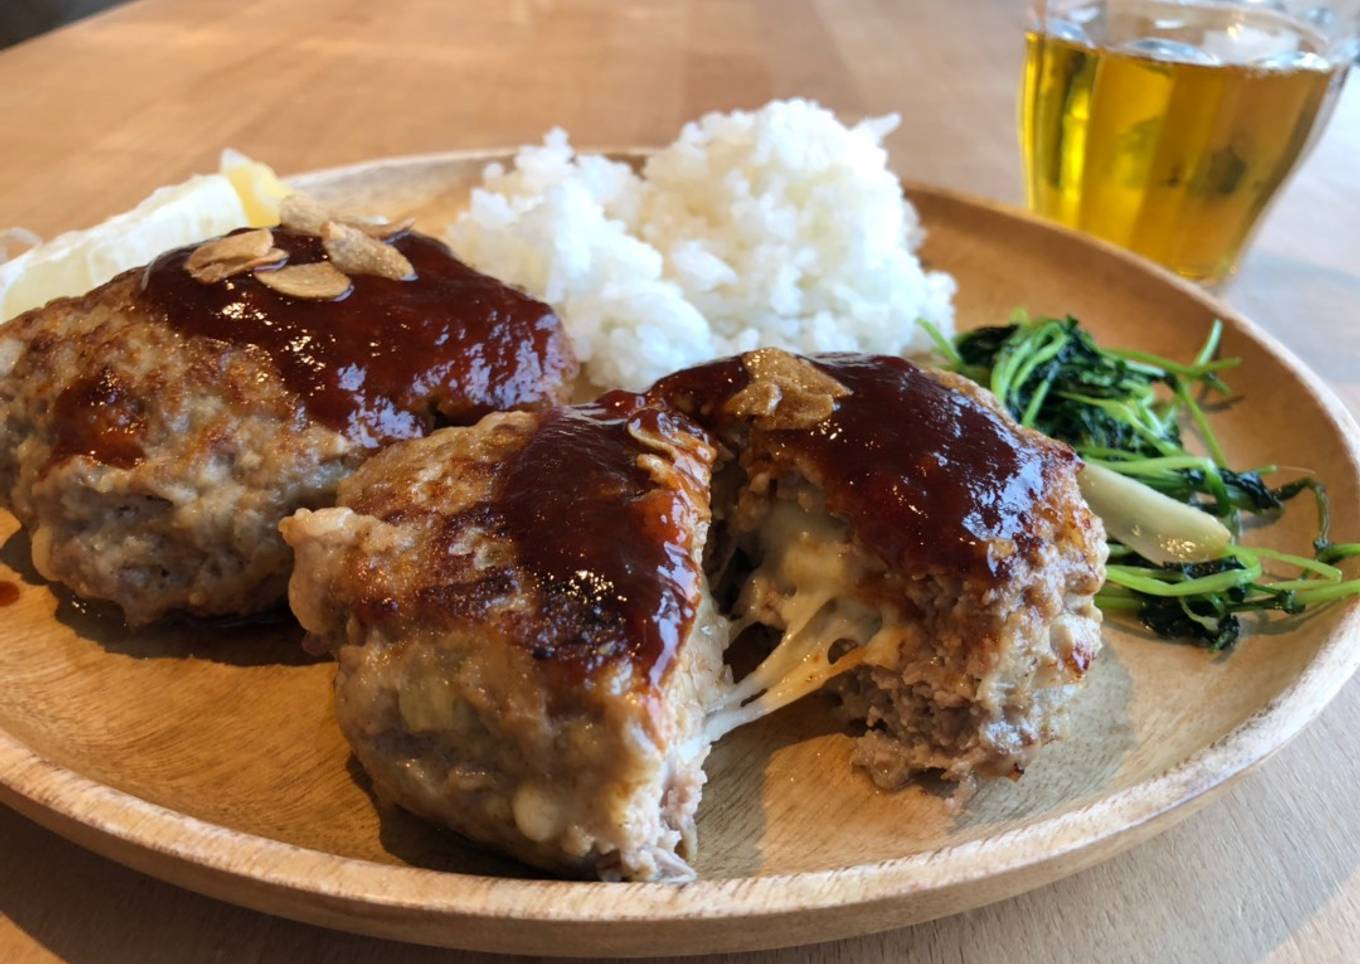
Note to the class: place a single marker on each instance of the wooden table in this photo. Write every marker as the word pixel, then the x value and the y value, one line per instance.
pixel 98 114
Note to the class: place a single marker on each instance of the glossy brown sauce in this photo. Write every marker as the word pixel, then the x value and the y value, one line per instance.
pixel 604 542
pixel 924 475
pixel 101 418
pixel 392 359
pixel 9 593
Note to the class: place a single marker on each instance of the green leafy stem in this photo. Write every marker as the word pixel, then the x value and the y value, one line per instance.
pixel 1124 410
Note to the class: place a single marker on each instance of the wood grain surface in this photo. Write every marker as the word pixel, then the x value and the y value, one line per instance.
pixel 99 114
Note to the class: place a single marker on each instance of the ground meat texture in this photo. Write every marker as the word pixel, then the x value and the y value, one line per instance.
pixel 929 557
pixel 523 634
pixel 154 432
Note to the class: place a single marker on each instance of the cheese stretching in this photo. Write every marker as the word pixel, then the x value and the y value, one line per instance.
pixel 912 544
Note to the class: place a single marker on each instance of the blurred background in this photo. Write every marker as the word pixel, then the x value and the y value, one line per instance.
pixel 21 19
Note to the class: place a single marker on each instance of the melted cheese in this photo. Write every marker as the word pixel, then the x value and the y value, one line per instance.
pixel 806 585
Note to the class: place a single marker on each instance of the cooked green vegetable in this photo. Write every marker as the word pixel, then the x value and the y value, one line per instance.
pixel 1122 411
pixel 1154 525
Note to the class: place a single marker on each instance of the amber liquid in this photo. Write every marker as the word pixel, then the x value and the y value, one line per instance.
pixel 1174 160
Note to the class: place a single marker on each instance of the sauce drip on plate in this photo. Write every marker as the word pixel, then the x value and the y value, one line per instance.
pixel 391 359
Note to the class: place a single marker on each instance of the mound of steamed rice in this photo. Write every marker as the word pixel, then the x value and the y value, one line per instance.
pixel 781 227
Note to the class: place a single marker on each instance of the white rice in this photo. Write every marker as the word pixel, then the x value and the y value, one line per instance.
pixel 780 227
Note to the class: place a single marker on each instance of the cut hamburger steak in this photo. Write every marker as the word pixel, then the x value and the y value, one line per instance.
pixel 911 543
pixel 154 432
pixel 528 652
pixel 525 644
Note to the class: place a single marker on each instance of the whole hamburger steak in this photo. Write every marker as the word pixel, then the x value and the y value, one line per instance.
pixel 155 431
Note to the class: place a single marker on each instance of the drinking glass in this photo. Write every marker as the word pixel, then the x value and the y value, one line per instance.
pixel 1168 126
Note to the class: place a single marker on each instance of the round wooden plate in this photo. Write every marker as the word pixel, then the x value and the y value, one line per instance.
pixel 211 758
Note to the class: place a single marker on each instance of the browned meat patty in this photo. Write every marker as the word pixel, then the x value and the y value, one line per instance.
pixel 908 539
pixel 154 432
pixel 524 641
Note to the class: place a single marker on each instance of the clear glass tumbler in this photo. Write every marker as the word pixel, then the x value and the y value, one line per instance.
pixel 1168 126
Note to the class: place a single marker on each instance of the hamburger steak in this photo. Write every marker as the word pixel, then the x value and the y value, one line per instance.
pixel 527 649
pixel 154 432
pixel 911 543
pixel 525 645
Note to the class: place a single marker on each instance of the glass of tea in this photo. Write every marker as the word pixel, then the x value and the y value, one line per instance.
pixel 1168 126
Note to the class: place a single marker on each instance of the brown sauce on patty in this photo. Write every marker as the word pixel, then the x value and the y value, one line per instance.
pixel 926 476
pixel 608 547
pixel 391 359
pixel 9 593
pixel 99 417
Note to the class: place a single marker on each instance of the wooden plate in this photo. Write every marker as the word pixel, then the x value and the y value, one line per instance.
pixel 212 759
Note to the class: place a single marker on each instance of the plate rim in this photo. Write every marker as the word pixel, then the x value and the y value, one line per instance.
pixel 122 825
